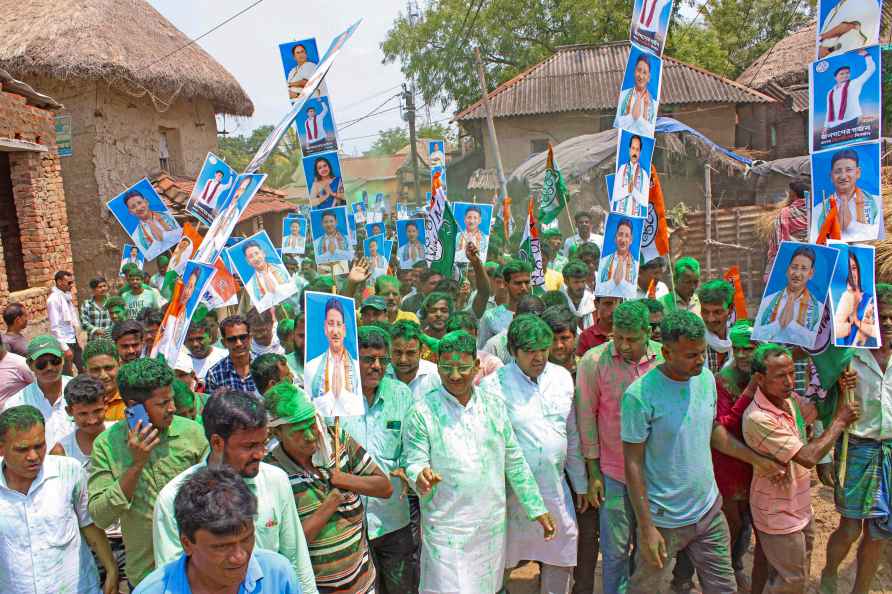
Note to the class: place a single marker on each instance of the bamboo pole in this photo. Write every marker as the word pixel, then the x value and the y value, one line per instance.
pixel 844 455
pixel 337 442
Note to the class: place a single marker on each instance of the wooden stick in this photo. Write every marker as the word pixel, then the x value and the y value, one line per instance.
pixel 569 218
pixel 337 442
pixel 844 455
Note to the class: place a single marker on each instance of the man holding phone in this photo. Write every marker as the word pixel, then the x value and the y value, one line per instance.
pixel 135 458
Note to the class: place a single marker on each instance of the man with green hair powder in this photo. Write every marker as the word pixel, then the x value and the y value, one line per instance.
pixel 686 274
pixel 715 308
pixel 460 451
pixel 516 275
pixel 538 397
pixel 157 279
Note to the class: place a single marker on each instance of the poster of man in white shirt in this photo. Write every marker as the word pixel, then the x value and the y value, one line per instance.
pixel 846 25
pixel 211 190
pixel 631 183
pixel 650 21
pixel 294 234
pixel 845 99
pixel 300 60
pixel 639 94
pixel 316 127
pixel 850 178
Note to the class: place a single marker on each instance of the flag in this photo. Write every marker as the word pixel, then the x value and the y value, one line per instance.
pixel 507 219
pixel 656 198
pixel 530 250
pixel 732 275
pixel 440 231
pixel 554 191
pixel 830 229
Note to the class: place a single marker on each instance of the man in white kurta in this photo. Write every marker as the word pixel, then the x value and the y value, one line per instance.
pixel 843 100
pixel 460 453
pixel 538 396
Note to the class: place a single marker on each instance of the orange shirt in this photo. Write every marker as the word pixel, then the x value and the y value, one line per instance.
pixel 115 409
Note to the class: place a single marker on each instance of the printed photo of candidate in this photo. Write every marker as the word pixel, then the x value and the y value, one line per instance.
pixel 375 229
pixel 330 235
pixel 131 255
pixel 853 295
pixel 212 188
pixel 845 99
pixel 650 21
pixel 260 267
pixel 331 355
pixel 246 187
pixel 474 225
pixel 359 210
pixel 186 246
pixel 294 234
pixel 618 266
pixel 846 25
pixel 146 219
pixel 410 242
pixel 377 249
pixel 851 178
pixel 793 301
pixel 631 182
pixel 316 127
pixel 639 95
pixel 300 60
pixel 187 295
pixel 323 173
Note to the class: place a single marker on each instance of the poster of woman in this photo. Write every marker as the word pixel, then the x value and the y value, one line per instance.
pixel 294 234
pixel 299 61
pixel 846 25
pixel 323 173
pixel 131 255
pixel 211 190
pixel 618 266
pixel 639 94
pixel 474 225
pixel 330 235
pixel 146 219
pixel 331 365
pixel 650 21
pixel 260 267
pixel 853 296
pixel 793 301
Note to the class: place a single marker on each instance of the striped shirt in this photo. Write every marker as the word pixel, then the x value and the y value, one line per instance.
pixel 95 319
pixel 340 552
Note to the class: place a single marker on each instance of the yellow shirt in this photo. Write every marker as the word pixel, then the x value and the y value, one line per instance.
pixel 554 280
pixel 407 315
pixel 115 409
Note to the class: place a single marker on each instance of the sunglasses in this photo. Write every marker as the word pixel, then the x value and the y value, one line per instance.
pixel 462 369
pixel 237 338
pixel 42 363
pixel 370 360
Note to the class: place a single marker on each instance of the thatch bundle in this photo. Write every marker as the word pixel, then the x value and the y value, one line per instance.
pixel 785 63
pixel 125 43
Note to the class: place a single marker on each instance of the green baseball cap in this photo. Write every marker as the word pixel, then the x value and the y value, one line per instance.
pixel 44 345
pixel 375 302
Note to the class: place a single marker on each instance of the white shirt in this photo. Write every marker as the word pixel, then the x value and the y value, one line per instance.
pixel 201 366
pixel 211 192
pixel 586 310
pixel 544 420
pixel 426 378
pixel 41 548
pixel 64 322
pixel 638 178
pixel 304 72
pixel 864 14
pixel 274 346
pixel 594 238
pixel 874 394
pixel 853 97
pixel 648 19
pixel 315 128
pixel 57 422
pixel 659 291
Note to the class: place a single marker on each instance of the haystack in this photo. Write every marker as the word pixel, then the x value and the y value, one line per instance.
pixel 125 43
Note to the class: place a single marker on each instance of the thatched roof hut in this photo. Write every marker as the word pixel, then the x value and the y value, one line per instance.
pixel 126 43
pixel 785 63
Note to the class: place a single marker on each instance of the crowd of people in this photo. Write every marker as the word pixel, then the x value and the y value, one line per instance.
pixel 503 426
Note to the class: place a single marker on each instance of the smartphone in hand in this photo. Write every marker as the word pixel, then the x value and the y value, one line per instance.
pixel 135 413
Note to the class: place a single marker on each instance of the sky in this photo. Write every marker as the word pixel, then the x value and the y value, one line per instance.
pixel 248 48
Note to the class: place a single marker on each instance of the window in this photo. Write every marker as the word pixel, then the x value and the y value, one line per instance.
pixel 170 151
pixel 538 145
pixel 10 234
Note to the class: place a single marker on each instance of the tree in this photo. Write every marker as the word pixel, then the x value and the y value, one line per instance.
pixel 392 140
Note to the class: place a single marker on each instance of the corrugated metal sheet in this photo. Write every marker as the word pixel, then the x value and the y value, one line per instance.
pixel 794 96
pixel 583 78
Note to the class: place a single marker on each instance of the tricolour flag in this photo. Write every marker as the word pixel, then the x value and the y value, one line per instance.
pixel 530 250
pixel 554 191
pixel 655 236
pixel 732 275
pixel 440 231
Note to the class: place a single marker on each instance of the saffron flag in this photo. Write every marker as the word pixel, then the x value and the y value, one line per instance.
pixel 530 250
pixel 440 231
pixel 830 229
pixel 655 232
pixel 732 275
pixel 554 191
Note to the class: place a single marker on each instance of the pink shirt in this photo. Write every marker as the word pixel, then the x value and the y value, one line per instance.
pixel 601 379
pixel 488 364
pixel 786 507
pixel 14 376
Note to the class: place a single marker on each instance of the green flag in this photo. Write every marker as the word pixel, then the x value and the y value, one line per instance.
pixel 554 192
pixel 440 231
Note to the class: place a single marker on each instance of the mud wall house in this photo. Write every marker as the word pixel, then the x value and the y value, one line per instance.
pixel 34 240
pixel 140 99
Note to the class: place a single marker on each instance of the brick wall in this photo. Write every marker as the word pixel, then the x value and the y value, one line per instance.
pixel 39 200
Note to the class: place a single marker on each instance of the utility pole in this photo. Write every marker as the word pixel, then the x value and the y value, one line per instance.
pixel 503 183
pixel 409 98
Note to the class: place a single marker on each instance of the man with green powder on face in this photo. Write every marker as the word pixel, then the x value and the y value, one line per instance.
pixel 686 275
pixel 460 451
pixel 538 396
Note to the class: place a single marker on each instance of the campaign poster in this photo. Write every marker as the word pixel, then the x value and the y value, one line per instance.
pixel 618 266
pixel 331 355
pixel 185 249
pixel 474 225
pixel 326 186
pixel 212 188
pixel 300 59
pixel 375 249
pixel 851 178
pixel 183 303
pixel 410 242
pixel 794 298
pixel 853 297
pixel 650 22
pixel 130 254
pixel 146 219
pixel 223 288
pixel 246 187
pixel 639 94
pixel 402 211
pixel 375 229
pixel 359 211
pixel 260 267
pixel 631 182
pixel 330 235
pixel 846 25
pixel 845 96
pixel 294 234
pixel 436 156
pixel 316 127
